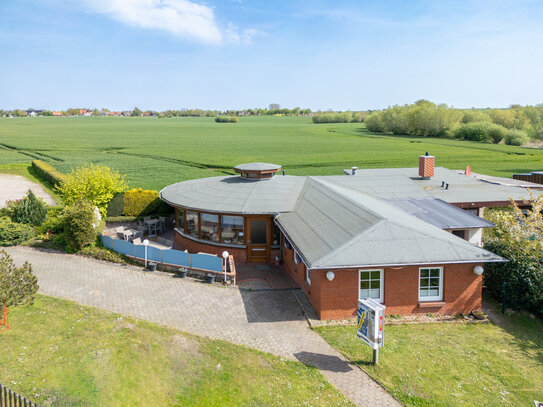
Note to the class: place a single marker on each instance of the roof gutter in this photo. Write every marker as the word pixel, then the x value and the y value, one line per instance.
pixel 410 264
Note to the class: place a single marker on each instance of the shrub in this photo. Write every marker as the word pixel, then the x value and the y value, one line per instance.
pixel 101 253
pixel 374 122
pixel 495 133
pixel 518 238
pixel 140 202
pixel 54 223
pixel 474 131
pixel 30 210
pixel 115 207
pixel 226 119
pixel 515 137
pixel 12 233
pixel 333 117
pixel 18 285
pixel 48 172
pixel 97 184
pixel 79 221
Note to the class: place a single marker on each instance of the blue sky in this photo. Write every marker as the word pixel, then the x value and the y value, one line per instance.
pixel 160 54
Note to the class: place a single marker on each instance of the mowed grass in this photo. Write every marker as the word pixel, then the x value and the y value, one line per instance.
pixel 157 152
pixel 454 364
pixel 61 354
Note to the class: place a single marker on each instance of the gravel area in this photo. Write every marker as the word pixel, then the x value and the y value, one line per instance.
pixel 15 187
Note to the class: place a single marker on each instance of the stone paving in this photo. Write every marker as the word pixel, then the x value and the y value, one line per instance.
pixel 271 321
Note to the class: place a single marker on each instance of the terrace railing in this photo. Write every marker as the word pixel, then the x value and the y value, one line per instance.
pixel 8 398
pixel 169 257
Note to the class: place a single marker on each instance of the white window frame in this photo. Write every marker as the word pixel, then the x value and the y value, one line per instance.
pixel 381 283
pixel 308 275
pixel 433 298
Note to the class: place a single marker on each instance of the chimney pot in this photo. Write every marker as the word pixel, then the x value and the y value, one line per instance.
pixel 426 166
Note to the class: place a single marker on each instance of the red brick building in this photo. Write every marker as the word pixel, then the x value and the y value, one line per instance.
pixel 398 236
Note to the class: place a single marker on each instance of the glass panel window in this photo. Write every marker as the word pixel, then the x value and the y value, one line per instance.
pixel 308 276
pixel 371 284
pixel 192 223
pixel 180 219
pixel 209 227
pixel 232 229
pixel 431 284
pixel 276 235
pixel 259 231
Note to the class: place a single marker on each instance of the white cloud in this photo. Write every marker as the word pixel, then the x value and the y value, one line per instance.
pixel 234 35
pixel 182 18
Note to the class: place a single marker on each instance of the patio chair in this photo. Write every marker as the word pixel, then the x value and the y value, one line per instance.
pixel 119 231
pixel 142 230
pixel 147 218
pixel 136 240
pixel 162 220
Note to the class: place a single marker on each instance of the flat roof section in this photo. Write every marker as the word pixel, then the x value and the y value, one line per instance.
pixel 236 195
pixel 441 214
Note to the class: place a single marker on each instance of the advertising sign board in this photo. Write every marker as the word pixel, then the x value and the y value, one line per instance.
pixel 370 326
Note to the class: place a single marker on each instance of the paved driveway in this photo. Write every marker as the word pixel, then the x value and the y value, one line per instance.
pixel 14 187
pixel 271 321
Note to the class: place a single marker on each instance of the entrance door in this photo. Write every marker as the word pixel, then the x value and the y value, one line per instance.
pixel 258 240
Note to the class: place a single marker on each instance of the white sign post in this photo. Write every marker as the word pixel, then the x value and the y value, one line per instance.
pixel 370 326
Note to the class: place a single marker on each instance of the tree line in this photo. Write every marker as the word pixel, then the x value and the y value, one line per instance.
pixel 515 125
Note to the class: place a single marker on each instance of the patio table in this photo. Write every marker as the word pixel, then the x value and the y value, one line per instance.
pixel 130 234
pixel 152 225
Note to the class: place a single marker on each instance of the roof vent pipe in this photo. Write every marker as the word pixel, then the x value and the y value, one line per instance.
pixel 442 184
pixel 353 170
pixel 446 186
pixel 283 172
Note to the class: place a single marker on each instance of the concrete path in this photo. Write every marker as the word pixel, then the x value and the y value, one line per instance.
pixel 271 321
pixel 15 187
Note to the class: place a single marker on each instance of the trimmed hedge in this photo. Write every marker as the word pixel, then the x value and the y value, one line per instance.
pixel 48 172
pixel 140 202
pixel 79 230
pixel 12 233
pixel 115 207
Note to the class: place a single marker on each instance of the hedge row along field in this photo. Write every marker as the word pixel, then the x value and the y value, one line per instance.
pixel 48 172
pixel 154 153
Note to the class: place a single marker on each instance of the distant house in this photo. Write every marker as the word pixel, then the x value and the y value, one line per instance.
pixel 126 113
pixel 57 113
pixel 407 237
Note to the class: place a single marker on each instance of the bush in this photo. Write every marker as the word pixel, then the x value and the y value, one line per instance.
pixel 495 133
pixel 333 117
pixel 474 131
pixel 140 202
pixel 79 225
pixel 54 223
pixel 523 276
pixel 226 119
pixel 18 285
pixel 101 253
pixel 515 137
pixel 115 207
pixel 97 184
pixel 12 233
pixel 48 172
pixel 374 122
pixel 30 210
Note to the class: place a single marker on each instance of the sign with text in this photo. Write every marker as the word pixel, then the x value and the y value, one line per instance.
pixel 371 319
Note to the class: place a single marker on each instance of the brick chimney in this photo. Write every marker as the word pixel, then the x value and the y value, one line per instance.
pixel 426 166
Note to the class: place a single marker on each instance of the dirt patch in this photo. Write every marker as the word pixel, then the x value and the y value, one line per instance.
pixel 14 187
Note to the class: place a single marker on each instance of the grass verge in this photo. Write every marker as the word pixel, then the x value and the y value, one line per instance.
pixel 63 354
pixel 456 364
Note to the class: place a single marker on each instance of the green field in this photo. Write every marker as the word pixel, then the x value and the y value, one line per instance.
pixel 62 354
pixel 157 152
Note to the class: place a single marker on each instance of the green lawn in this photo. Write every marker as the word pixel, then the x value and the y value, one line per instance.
pixel 157 152
pixel 62 354
pixel 454 364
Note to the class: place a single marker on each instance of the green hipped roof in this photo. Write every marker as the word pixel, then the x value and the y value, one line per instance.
pixel 333 225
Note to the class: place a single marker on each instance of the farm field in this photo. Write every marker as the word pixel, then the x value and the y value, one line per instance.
pixel 454 364
pixel 59 353
pixel 155 152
